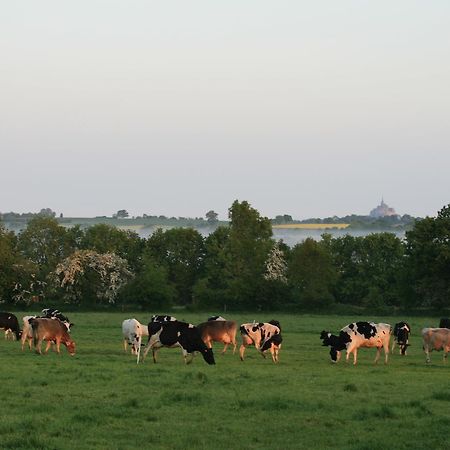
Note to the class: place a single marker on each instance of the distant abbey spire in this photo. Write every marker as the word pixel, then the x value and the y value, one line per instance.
pixel 382 210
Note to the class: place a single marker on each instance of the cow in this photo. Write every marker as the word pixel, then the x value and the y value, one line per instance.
pixel 51 330
pixel 51 313
pixel 133 331
pixel 219 331
pixel 436 339
pixel 10 324
pixel 444 323
pixel 265 336
pixel 401 334
pixel 356 335
pixel 177 334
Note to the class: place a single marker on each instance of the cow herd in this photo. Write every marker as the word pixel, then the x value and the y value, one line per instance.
pixel 370 334
pixel 166 331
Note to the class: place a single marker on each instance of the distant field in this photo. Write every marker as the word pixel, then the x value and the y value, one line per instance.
pixel 100 398
pixel 312 226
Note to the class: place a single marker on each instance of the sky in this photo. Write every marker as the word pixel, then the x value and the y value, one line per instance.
pixel 175 107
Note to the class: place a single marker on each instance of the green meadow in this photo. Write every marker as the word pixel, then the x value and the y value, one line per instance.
pixel 101 399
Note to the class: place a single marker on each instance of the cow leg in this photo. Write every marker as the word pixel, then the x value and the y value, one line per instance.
pixel 151 342
pixel 225 348
pixel 58 345
pixel 427 354
pixel 273 352
pixel 125 344
pixel 38 346
pixel 47 347
pixel 23 339
pixel 188 357
pixel 377 356
pixel 347 356
pixel 242 351
pixel 355 356
pixel 386 352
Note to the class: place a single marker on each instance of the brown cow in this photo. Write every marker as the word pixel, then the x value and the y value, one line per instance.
pixel 436 339
pixel 219 331
pixel 51 330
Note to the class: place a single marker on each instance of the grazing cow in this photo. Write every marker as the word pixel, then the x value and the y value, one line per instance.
pixel 436 339
pixel 51 313
pixel 51 330
pixel 265 336
pixel 177 334
pixel 219 331
pixel 401 334
pixel 133 331
pixel 9 323
pixel 356 335
pixel 444 323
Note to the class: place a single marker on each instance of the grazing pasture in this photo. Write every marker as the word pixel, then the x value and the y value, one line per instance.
pixel 101 399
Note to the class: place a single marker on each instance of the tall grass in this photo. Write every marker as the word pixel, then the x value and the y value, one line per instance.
pixel 101 399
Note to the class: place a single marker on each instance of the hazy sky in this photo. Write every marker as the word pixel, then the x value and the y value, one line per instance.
pixel 308 108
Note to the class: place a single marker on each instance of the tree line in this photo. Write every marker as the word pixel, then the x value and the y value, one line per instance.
pixel 237 267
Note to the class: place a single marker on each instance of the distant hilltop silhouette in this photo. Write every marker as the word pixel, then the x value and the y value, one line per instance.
pixel 382 210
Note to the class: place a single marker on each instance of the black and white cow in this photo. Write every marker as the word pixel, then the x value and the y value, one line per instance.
pixel 401 334
pixel 444 323
pixel 156 318
pixel 51 313
pixel 177 334
pixel 356 335
pixel 8 322
pixel 264 335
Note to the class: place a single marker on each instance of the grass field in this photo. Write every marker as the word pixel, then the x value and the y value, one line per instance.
pixel 100 398
pixel 311 226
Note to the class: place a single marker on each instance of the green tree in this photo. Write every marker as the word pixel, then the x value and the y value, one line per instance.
pixel 90 277
pixel 150 288
pixel 104 238
pixel 370 268
pixel 8 258
pixel 45 243
pixel 212 290
pixel 211 217
pixel 181 252
pixel 428 252
pixel 249 245
pixel 312 275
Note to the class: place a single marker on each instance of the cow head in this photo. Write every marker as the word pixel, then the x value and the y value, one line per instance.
pixel 70 345
pixel 208 355
pixel 337 343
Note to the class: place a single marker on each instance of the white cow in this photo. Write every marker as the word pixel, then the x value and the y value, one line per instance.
pixel 133 331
